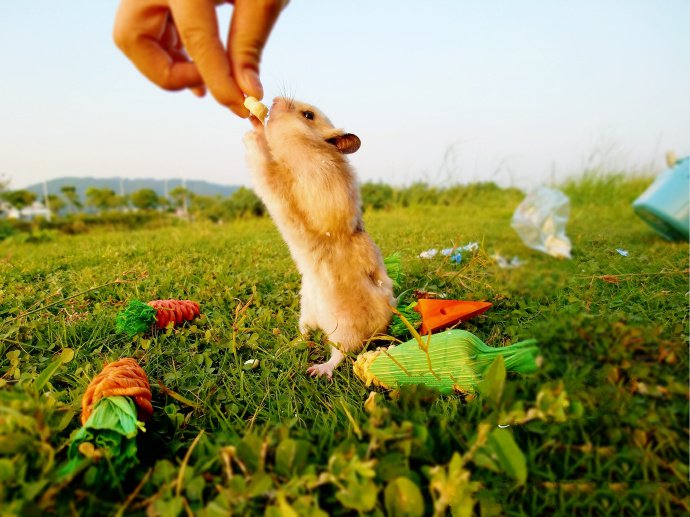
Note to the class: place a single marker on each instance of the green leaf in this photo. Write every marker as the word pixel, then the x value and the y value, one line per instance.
pixel 47 373
pixel 307 506
pixel 30 491
pixel 359 496
pixel 66 355
pixel 391 466
pixel 510 457
pixel 168 507
pixel 403 498
pixel 488 507
pixel 452 487
pixel 219 507
pixel 291 456
pixel 483 460
pixel 163 472
pixel 194 488
pixel 6 470
pixel 491 386
pixel 13 443
pixel 249 452
pixel 260 485
pixel 553 401
pixel 285 509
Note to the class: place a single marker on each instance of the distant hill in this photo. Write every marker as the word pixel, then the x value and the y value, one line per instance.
pixel 132 185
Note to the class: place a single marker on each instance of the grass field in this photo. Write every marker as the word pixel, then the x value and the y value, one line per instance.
pixel 602 428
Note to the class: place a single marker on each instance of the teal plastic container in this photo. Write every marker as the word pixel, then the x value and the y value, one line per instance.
pixel 665 205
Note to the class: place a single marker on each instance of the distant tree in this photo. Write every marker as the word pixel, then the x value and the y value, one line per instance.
pixel 102 198
pixel 118 201
pixel 208 207
pixel 244 202
pixel 122 201
pixel 178 195
pixel 145 199
pixel 164 203
pixel 19 198
pixel 376 196
pixel 72 196
pixel 419 193
pixel 55 203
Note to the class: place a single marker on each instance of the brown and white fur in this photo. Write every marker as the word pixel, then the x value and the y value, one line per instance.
pixel 300 171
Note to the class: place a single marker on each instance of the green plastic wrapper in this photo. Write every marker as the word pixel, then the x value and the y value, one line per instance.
pixel 455 361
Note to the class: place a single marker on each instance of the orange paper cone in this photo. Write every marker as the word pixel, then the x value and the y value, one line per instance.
pixel 437 314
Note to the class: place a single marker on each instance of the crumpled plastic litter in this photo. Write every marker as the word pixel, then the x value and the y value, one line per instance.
pixel 455 253
pixel 427 254
pixel 251 364
pixel 505 263
pixel 540 221
pixel 623 252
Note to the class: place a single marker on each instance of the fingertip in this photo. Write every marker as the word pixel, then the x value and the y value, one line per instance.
pixel 240 111
pixel 198 91
pixel 250 83
pixel 231 98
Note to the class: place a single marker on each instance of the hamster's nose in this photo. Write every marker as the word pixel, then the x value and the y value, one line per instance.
pixel 279 103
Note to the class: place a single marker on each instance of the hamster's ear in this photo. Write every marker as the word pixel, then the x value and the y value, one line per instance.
pixel 346 144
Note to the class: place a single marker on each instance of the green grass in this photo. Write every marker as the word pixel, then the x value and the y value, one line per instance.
pixel 602 428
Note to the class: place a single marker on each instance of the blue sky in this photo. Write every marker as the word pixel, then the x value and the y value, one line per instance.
pixel 442 91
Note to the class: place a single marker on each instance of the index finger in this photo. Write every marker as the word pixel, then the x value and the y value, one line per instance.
pixel 251 25
pixel 198 27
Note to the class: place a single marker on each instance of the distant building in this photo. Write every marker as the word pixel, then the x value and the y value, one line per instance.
pixel 5 208
pixel 28 213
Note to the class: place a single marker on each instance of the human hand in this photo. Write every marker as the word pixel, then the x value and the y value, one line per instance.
pixel 176 45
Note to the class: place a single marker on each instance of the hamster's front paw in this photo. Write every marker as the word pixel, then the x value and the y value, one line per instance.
pixel 251 140
pixel 256 145
pixel 319 370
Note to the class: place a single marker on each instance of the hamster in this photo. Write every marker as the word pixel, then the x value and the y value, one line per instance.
pixel 300 171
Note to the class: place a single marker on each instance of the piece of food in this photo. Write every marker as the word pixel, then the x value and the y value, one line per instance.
pixel 256 108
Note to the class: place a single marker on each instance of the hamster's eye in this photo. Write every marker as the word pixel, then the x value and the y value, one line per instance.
pixel 309 115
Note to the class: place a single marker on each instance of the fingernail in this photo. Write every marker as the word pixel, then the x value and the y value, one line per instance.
pixel 251 78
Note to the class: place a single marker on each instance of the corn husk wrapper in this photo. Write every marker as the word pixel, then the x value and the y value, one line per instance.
pixel 455 362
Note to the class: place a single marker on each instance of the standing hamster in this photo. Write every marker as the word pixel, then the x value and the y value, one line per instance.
pixel 300 171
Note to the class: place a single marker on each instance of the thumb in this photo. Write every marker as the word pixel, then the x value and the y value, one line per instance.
pixel 252 22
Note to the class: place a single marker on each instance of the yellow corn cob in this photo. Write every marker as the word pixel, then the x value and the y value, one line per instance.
pixel 453 361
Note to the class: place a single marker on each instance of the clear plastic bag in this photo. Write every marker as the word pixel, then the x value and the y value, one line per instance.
pixel 540 221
